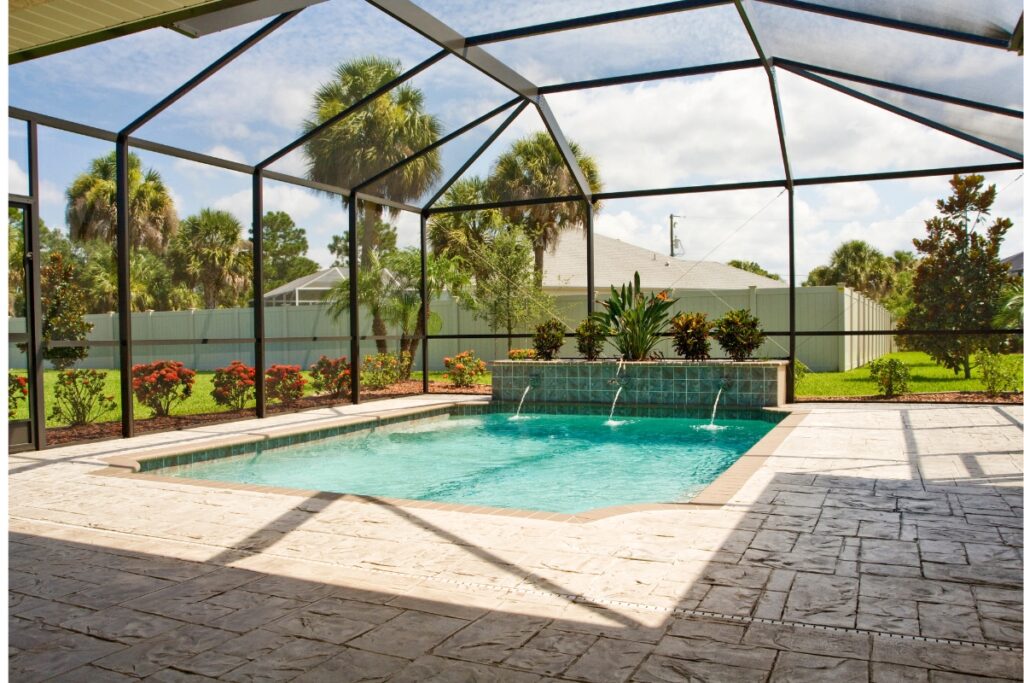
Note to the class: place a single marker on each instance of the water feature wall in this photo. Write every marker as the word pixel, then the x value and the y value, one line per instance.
pixel 750 384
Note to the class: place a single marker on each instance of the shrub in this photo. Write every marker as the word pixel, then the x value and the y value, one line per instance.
pixel 891 374
pixel 234 386
pixel 285 383
pixel 17 391
pixel 464 369
pixel 738 333
pixel 162 384
pixel 548 339
pixel 690 335
pixel 800 370
pixel 79 398
pixel 331 376
pixel 380 371
pixel 636 319
pixel 590 337
pixel 998 372
pixel 522 354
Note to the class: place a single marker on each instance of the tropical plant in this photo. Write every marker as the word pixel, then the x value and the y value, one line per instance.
pixel 92 205
pixel 17 392
pixel 738 333
pixel 548 339
pixel 234 385
pixel 380 134
pixel 507 296
pixel 1010 311
pixel 753 267
pixel 534 167
pixel 960 277
pixel 380 371
pixel 998 372
pixel 209 254
pixel 522 354
pixel 284 251
pixel 162 384
pixel 331 376
pixel 63 308
pixel 891 374
pixel 635 319
pixel 464 369
pixel 285 383
pixel 857 265
pixel 591 335
pixel 690 335
pixel 79 397
pixel 385 237
pixel 465 234
pixel 153 286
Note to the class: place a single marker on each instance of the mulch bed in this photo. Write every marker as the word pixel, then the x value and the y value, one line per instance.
pixel 58 436
pixel 1007 398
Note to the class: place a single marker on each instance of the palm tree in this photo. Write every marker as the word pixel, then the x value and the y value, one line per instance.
pixel 465 234
pixel 209 254
pixel 860 266
pixel 387 130
pixel 377 288
pixel 92 205
pixel 534 168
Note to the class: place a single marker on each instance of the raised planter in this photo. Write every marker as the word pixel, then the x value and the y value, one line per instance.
pixel 665 382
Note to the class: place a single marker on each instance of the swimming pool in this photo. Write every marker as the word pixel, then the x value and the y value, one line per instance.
pixel 555 463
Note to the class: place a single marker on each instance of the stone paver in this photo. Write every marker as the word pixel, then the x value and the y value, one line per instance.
pixel 870 525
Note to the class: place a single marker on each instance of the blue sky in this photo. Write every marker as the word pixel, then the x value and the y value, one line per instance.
pixel 708 129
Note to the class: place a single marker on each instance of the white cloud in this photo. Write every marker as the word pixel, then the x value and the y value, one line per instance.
pixel 17 179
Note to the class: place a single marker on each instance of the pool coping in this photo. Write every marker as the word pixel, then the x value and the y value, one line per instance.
pixel 714 496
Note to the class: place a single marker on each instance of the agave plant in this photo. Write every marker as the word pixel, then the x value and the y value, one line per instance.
pixel 635 319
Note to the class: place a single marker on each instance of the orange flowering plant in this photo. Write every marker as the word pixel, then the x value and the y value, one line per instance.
pixel 331 376
pixel 162 384
pixel 464 369
pixel 234 385
pixel 285 383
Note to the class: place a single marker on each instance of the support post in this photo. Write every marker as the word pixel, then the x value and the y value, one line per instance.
pixel 791 375
pixel 258 305
pixel 124 287
pixel 590 259
pixel 424 301
pixel 353 294
pixel 34 293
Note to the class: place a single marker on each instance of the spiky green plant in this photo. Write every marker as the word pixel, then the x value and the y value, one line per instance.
pixel 635 319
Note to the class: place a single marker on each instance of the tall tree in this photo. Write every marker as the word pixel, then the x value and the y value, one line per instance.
pixel 465 234
pixel 960 277
pixel 153 284
pixel 533 167
pixel 753 267
pixel 509 295
pixel 209 254
pixel 92 205
pixel 385 234
pixel 858 265
pixel 284 250
pixel 63 311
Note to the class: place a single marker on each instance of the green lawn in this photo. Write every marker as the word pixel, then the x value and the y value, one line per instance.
pixel 925 377
pixel 201 402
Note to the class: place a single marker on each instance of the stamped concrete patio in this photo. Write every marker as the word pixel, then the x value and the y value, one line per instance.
pixel 878 542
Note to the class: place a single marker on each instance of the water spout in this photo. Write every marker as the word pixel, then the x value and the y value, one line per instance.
pixel 622 360
pixel 611 421
pixel 714 409
pixel 523 398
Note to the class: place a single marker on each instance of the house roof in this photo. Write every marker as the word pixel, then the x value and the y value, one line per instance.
pixel 565 266
pixel 1016 262
pixel 319 281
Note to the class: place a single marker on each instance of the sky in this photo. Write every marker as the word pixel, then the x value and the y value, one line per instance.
pixel 710 129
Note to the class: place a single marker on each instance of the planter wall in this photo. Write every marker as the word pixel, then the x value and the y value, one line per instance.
pixel 683 383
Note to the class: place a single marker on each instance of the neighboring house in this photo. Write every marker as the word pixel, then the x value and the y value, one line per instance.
pixel 308 289
pixel 565 268
pixel 1016 264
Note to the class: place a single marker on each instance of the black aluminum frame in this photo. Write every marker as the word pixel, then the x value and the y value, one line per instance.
pixel 468 49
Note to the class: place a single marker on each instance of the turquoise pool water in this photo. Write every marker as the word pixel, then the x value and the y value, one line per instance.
pixel 557 463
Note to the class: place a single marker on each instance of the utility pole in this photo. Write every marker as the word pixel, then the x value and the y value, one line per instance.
pixel 672 242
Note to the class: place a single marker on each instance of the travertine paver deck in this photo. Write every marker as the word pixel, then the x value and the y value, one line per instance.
pixel 879 542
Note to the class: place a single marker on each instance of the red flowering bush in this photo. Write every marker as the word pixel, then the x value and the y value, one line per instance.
pixel 79 398
pixel 285 383
pixel 234 386
pixel 464 369
pixel 17 391
pixel 162 384
pixel 332 376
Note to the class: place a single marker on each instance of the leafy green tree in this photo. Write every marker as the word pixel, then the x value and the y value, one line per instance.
pixel 209 255
pixel 465 234
pixel 92 205
pixel 63 312
pixel 753 267
pixel 898 299
pixel 533 167
pixel 52 241
pixel 284 250
pixel 508 295
pixel 960 277
pixel 386 236
pixel 858 265
pixel 153 285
